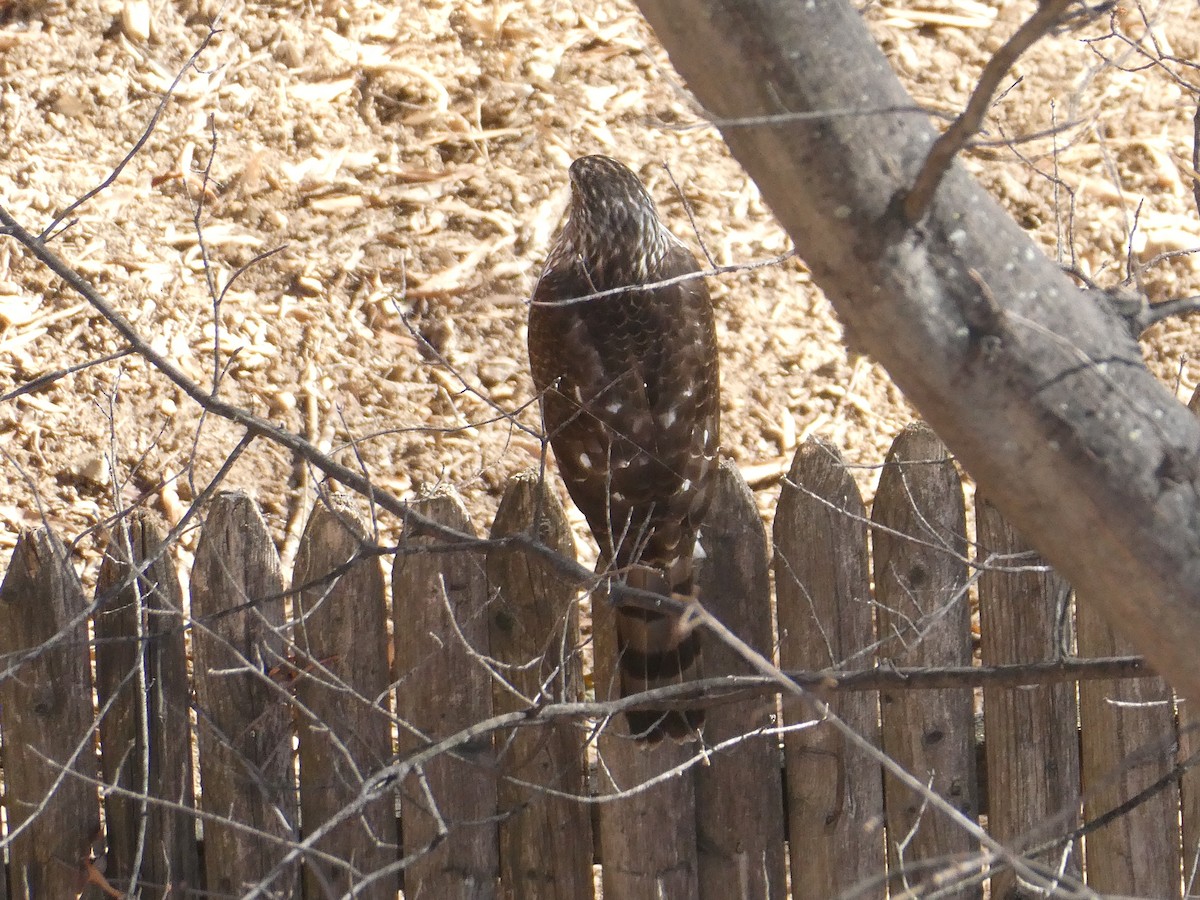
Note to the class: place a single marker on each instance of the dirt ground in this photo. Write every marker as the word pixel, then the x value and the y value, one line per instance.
pixel 406 164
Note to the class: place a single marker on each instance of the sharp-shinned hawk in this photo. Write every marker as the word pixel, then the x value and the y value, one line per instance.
pixel 629 386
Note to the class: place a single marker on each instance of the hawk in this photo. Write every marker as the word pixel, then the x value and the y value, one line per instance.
pixel 629 387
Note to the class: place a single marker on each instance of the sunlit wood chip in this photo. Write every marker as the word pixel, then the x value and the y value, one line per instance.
pixel 336 203
pixel 94 470
pixel 135 20
pixel 321 91
pixel 37 401
pixel 309 286
pixel 918 18
pixel 251 361
pixel 597 97
pixel 173 508
pixel 1170 238
pixel 282 402
pixel 16 311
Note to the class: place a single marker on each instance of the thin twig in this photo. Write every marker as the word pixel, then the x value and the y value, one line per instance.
pixel 668 282
pixel 937 162
pixel 140 142
pixel 49 378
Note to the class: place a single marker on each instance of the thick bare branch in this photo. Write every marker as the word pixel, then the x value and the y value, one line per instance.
pixel 1038 390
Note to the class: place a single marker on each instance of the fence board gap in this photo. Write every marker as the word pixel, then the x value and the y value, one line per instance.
pixel 440 610
pixel 141 668
pixel 342 683
pixel 739 796
pixel 46 717
pixel 545 841
pixel 826 620
pixel 1032 744
pixel 924 619
pixel 243 710
pixel 1128 742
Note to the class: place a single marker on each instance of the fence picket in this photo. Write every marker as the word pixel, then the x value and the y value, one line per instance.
pixel 545 841
pixel 1128 743
pixel 647 839
pixel 1188 723
pixel 243 714
pixel 440 605
pixel 342 687
pixel 141 669
pixel 924 619
pixel 1032 744
pixel 826 620
pixel 46 718
pixel 739 797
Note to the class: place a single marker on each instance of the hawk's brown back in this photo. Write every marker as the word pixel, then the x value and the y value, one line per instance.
pixel 629 388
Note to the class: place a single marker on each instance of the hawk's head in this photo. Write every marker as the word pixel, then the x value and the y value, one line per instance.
pixel 611 217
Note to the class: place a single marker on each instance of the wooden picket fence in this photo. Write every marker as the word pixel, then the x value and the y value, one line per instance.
pixel 331 719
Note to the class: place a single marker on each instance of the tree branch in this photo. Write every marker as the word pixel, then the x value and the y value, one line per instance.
pixel 968 124
pixel 1038 390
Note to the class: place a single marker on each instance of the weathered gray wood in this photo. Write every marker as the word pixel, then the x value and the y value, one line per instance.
pixel 46 717
pixel 1032 741
pixel 1127 742
pixel 739 796
pixel 342 687
pixel 440 600
pixel 826 621
pixel 924 620
pixel 545 841
pixel 243 716
pixel 1189 797
pixel 648 839
pixel 141 669
pixel 1188 721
